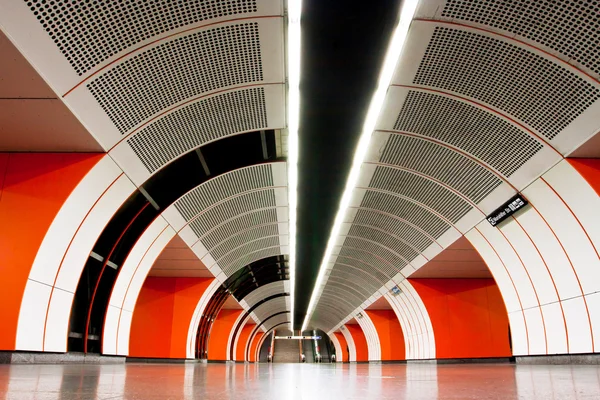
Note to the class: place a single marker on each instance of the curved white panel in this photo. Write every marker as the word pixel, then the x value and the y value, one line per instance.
pixel 371 335
pixel 350 342
pixel 338 347
pixel 195 321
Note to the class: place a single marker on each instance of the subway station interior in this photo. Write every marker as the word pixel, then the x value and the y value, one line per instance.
pixel 300 199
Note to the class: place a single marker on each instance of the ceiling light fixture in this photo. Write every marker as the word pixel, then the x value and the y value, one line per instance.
pixel 394 50
pixel 293 61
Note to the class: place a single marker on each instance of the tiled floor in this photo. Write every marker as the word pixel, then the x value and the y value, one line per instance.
pixel 298 381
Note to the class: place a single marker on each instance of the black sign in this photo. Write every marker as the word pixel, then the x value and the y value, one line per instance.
pixel 509 208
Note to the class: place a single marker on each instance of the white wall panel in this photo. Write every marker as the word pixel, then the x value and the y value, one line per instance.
pixel 350 342
pixel 569 233
pixel 580 335
pixel 496 267
pixel 512 263
pixel 518 332
pixel 593 307
pixel 555 258
pixel 111 325
pixel 124 332
pixel 32 315
pixel 579 196
pixel 195 321
pixel 373 345
pixel 533 263
pixel 339 355
pixel 57 325
pixel 556 333
pixel 535 331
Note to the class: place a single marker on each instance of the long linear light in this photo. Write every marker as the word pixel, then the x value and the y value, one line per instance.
pixel 394 50
pixel 293 60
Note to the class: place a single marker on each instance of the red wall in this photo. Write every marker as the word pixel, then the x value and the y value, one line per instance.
pixel 162 316
pixel 468 317
pixel 219 334
pixel 360 342
pixel 340 337
pixel 589 168
pixel 33 187
pixel 391 338
pixel 243 341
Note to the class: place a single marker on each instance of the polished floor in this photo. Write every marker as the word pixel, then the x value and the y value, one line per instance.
pixel 298 381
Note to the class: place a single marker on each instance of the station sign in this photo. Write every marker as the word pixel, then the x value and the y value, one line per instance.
pixel 514 204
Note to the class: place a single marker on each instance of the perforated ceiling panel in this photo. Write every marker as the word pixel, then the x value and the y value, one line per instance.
pixel 568 27
pixel 222 187
pixel 539 92
pixel 271 307
pixel 89 32
pixel 179 69
pixel 425 191
pixel 441 163
pixel 482 134
pixel 234 226
pixel 198 123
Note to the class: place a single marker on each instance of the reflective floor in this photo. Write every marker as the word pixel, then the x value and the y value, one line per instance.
pixel 298 381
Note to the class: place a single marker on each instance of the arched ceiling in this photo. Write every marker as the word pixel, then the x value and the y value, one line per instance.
pixel 476 99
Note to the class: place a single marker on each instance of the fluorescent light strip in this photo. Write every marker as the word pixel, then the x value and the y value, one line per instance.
pixel 293 60
pixel 385 78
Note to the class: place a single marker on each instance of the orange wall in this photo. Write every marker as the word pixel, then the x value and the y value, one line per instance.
pixel 340 337
pixel 219 334
pixel 254 345
pixel 360 342
pixel 589 168
pixel 243 341
pixel 33 187
pixel 468 317
pixel 391 338
pixel 162 315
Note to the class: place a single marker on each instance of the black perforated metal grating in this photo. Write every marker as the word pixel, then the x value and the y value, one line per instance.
pixel 422 190
pixel 232 207
pixel 191 126
pixel 568 27
pixel 539 92
pixel 89 32
pixel 394 226
pixel 177 70
pixel 407 210
pixel 216 235
pixel 222 187
pixel 432 159
pixel 478 132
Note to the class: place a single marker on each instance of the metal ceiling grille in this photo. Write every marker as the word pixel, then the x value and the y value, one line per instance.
pixel 250 257
pixel 569 27
pixel 270 307
pixel 198 123
pixel 246 236
pixel 373 254
pixel 531 88
pixel 441 163
pixel 222 187
pixel 177 70
pixel 89 32
pixel 393 225
pixel 348 257
pixel 247 248
pixel 234 206
pixel 406 210
pixel 480 133
pixel 386 239
pixel 424 191
pixel 235 225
